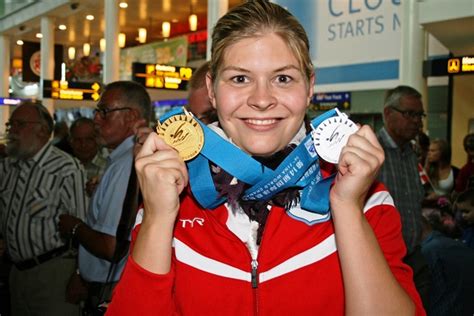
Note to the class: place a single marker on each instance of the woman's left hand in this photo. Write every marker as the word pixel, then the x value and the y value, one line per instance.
pixel 358 166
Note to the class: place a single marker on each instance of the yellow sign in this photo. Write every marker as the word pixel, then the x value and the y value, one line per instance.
pixel 467 64
pixel 95 86
pixel 162 76
pixel 453 66
pixel 65 90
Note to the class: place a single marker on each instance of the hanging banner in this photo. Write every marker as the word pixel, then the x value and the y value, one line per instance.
pixel 172 52
pixel 31 60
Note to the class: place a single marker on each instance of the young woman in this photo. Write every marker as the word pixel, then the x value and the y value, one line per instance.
pixel 266 257
pixel 441 173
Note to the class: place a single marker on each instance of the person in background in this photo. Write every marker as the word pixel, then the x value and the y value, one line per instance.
pixel 452 275
pixel 465 177
pixel 422 145
pixel 403 113
pixel 441 173
pixel 121 105
pixel 198 98
pixel 258 257
pixel 61 137
pixel 85 147
pixel 464 206
pixel 38 183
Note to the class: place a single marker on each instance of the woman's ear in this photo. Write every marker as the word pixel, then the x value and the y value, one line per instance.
pixel 210 90
pixel 311 88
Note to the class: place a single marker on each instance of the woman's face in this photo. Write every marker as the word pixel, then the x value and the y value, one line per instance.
pixel 434 153
pixel 260 94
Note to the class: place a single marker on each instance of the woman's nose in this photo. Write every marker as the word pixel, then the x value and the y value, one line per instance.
pixel 262 96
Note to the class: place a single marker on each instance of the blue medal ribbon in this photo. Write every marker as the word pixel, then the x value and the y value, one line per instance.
pixel 299 169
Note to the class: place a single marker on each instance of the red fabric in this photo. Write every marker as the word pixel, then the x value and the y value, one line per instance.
pixel 315 289
pixel 464 174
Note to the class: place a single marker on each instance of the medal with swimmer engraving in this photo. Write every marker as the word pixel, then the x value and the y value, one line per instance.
pixel 183 133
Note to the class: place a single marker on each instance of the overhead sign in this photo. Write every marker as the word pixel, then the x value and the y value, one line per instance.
pixel 463 64
pixel 158 76
pixel 330 100
pixel 449 66
pixel 65 90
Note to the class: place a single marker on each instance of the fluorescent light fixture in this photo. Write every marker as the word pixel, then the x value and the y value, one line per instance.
pixel 166 29
pixel 102 44
pixel 142 35
pixel 71 53
pixel 193 22
pixel 122 39
pixel 86 49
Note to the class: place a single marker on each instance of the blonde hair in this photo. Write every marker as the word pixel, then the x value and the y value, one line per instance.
pixel 257 18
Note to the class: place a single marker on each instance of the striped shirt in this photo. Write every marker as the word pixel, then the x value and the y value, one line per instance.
pixel 33 193
pixel 400 175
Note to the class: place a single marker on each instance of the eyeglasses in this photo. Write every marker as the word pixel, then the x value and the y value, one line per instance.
pixel 103 112
pixel 410 114
pixel 19 124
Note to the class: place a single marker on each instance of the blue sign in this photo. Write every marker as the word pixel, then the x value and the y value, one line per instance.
pixel 12 101
pixel 329 100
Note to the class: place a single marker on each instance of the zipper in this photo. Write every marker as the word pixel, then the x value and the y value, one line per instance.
pixel 254 282
pixel 254 273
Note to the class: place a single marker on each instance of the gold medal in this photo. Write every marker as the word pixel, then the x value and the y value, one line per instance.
pixel 183 133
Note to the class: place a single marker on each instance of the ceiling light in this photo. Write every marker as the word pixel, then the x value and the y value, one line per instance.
pixel 62 27
pixel 102 44
pixel 174 20
pixel 90 17
pixel 86 49
pixel 19 42
pixel 166 29
pixel 122 39
pixel 71 53
pixel 193 22
pixel 142 35
pixel 123 5
pixel 39 35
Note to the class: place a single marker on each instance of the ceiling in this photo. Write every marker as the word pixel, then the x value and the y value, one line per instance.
pixel 139 13
pixel 457 35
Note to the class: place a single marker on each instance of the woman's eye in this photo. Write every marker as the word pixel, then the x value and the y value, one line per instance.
pixel 283 79
pixel 239 79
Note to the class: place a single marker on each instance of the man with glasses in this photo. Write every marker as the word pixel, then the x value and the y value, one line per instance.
pixel 38 183
pixel 122 105
pixel 403 113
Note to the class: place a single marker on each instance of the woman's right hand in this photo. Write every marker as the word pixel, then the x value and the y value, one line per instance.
pixel 162 175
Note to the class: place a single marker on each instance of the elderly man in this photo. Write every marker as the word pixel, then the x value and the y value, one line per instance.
pixel 403 113
pixel 85 147
pixel 122 105
pixel 38 183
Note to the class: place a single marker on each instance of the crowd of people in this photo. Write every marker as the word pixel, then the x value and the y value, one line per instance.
pixel 121 224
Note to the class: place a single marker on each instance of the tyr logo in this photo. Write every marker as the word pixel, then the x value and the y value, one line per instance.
pixel 191 222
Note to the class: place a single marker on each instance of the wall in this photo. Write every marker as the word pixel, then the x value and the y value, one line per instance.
pixel 463 111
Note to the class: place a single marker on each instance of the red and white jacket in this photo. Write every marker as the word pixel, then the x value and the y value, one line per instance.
pixel 297 271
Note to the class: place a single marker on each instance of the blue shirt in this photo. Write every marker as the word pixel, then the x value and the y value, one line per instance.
pixel 105 210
